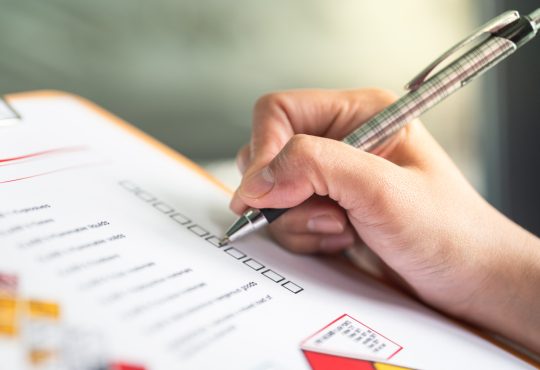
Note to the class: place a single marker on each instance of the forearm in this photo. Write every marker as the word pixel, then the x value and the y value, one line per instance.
pixel 509 303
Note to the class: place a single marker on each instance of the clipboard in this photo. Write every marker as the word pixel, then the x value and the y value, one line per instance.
pixel 275 276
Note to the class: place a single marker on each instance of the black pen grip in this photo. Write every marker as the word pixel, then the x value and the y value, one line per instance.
pixel 272 213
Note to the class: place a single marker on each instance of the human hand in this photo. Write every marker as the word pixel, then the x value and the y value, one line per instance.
pixel 406 201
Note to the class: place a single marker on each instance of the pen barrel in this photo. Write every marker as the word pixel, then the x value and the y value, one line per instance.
pixel 272 213
pixel 444 83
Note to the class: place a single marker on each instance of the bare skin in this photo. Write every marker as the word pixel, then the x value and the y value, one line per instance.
pixel 406 201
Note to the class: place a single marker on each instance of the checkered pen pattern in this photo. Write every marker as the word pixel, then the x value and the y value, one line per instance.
pixel 432 91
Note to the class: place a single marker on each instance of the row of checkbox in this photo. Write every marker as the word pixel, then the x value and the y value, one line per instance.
pixel 255 265
pixel 205 234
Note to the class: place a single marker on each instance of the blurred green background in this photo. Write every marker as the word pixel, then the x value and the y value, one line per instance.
pixel 188 72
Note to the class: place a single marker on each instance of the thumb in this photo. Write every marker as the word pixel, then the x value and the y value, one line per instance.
pixel 310 165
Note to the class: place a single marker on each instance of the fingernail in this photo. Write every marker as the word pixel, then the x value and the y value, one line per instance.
pixel 336 243
pixel 258 184
pixel 325 224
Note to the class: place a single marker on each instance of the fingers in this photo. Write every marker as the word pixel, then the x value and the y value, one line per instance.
pixel 317 225
pixel 311 165
pixel 330 113
pixel 317 243
pixel 278 117
pixel 315 215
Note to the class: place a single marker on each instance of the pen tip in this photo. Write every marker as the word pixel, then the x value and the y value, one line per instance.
pixel 223 242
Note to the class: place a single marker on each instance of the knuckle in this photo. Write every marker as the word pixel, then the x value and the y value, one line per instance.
pixel 269 102
pixel 263 102
pixel 243 151
pixel 243 158
pixel 383 96
pixel 295 153
pixel 302 146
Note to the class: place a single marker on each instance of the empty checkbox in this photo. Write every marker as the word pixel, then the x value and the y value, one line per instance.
pixel 254 264
pixel 235 253
pixel 289 285
pixel 145 196
pixel 197 230
pixel 274 276
pixel 180 218
pixel 212 239
pixel 164 208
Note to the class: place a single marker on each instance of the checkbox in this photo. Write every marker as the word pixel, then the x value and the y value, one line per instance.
pixel 212 239
pixel 235 253
pixel 128 185
pixel 145 196
pixel 180 218
pixel 163 208
pixel 254 264
pixel 289 285
pixel 197 230
pixel 274 276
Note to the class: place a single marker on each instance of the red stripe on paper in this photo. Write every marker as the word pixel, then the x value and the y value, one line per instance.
pixel 44 153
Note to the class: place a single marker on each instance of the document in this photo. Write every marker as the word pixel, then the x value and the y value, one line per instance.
pixel 110 259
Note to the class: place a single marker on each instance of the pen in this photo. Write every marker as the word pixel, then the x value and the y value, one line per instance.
pixel 503 35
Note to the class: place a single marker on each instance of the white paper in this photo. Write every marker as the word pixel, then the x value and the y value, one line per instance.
pixel 125 238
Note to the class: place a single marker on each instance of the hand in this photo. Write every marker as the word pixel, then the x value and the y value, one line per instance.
pixel 405 200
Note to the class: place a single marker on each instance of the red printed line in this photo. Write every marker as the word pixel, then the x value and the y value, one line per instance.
pixel 44 153
pixel 53 171
pixel 395 353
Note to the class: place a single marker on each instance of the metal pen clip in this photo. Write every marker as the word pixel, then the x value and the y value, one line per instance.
pixel 8 115
pixel 490 27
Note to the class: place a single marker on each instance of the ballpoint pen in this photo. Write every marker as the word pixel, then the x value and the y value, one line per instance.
pixel 495 40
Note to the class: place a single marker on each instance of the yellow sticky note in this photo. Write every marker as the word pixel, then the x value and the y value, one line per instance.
pixel 8 316
pixel 37 357
pixel 380 366
pixel 43 309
